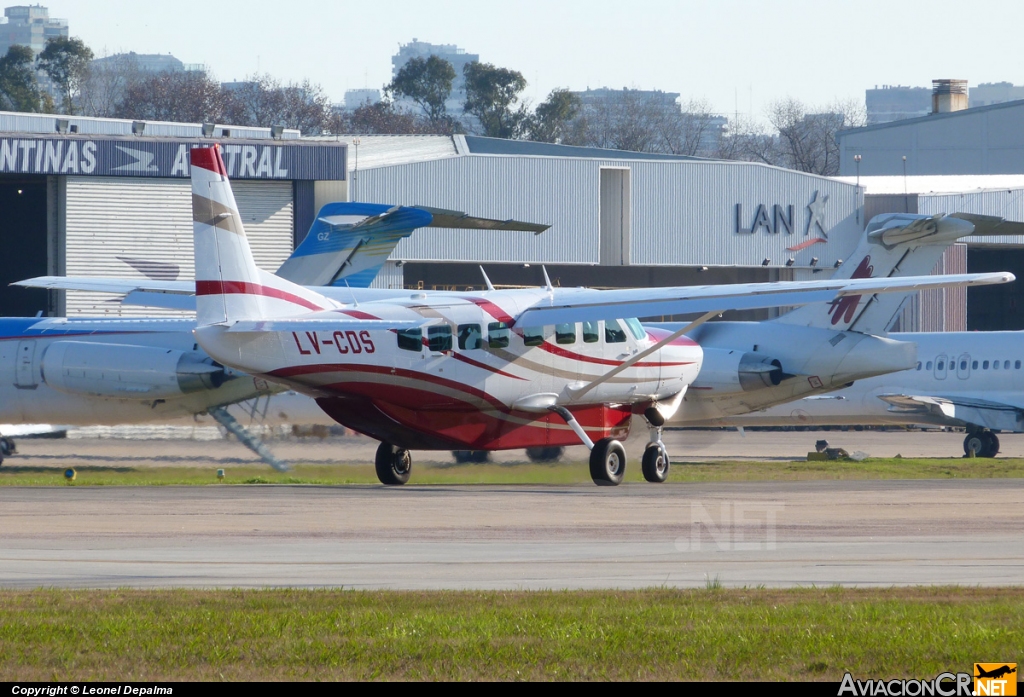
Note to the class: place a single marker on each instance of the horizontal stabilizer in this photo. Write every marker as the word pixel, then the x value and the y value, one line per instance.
pixel 108 285
pixel 990 224
pixel 463 221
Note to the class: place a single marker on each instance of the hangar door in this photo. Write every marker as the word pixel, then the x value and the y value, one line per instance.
pixel 138 228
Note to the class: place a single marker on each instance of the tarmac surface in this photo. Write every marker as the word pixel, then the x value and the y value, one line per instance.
pixel 863 533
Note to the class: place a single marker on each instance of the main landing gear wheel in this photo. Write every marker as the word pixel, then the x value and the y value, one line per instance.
pixel 655 463
pixel 983 443
pixel 393 464
pixel 471 456
pixel 607 462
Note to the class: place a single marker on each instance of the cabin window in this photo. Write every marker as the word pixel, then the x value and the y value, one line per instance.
pixel 533 336
pixel 592 333
pixel 565 333
pixel 984 365
pixel 963 365
pixel 995 365
pixel 919 365
pixel 974 365
pixel 1016 365
pixel 613 333
pixel 439 338
pixel 497 335
pixel 636 329
pixel 941 366
pixel 928 365
pixel 470 337
pixel 1006 365
pixel 410 339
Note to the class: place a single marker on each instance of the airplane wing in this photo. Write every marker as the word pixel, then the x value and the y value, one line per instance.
pixel 960 409
pixel 581 305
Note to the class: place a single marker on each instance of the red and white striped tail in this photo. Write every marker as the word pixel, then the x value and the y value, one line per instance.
pixel 229 286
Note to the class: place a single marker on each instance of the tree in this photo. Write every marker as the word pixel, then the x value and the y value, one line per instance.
pixel 688 130
pixel 262 101
pixel 382 118
pixel 104 87
pixel 623 120
pixel 18 88
pixel 552 120
pixel 428 83
pixel 491 96
pixel 66 61
pixel 189 96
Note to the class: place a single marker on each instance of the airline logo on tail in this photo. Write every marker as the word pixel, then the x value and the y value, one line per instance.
pixel 844 308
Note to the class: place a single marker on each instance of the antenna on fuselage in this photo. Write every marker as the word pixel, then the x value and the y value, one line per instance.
pixel 355 303
pixel 490 286
pixel 547 279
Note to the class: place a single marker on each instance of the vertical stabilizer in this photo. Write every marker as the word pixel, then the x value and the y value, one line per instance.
pixel 896 244
pixel 229 286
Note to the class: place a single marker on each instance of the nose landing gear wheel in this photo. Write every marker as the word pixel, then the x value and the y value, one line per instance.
pixel 655 464
pixel 393 464
pixel 607 462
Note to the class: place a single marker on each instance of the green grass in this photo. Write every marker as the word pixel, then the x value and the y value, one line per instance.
pixel 657 634
pixel 12 474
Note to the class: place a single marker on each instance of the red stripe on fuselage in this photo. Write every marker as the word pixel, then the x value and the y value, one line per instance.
pixel 563 353
pixel 242 288
pixel 493 310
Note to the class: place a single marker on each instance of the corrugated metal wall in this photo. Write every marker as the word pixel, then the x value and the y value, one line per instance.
pixel 128 228
pixel 942 309
pixel 390 276
pixel 683 213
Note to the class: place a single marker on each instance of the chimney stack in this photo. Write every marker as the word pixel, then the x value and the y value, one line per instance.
pixel 949 95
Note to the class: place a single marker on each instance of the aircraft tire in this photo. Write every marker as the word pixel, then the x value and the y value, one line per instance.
pixel 393 464
pixel 975 442
pixel 544 454
pixel 991 444
pixel 607 462
pixel 655 464
pixel 6 447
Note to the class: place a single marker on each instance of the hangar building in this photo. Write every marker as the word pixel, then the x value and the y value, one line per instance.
pixel 108 197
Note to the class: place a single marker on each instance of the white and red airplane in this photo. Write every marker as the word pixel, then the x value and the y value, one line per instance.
pixel 482 371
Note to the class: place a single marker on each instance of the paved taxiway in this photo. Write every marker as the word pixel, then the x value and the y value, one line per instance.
pixel 638 535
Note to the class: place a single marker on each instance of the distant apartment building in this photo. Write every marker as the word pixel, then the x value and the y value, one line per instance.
pixel 604 95
pixel 897 102
pixel 451 53
pixel 29 25
pixel 995 93
pixel 148 62
pixel 357 98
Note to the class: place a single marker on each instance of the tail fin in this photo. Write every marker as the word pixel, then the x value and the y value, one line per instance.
pixel 229 286
pixel 895 244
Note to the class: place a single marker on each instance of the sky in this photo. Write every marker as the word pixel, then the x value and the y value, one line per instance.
pixel 739 55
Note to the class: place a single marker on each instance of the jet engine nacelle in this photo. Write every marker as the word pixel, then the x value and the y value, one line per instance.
pixel 128 372
pixel 728 370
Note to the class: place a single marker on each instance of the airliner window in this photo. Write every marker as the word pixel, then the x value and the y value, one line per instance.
pixel 565 333
pixel 974 365
pixel 941 365
pixel 439 338
pixel 591 333
pixel 410 339
pixel 533 336
pixel 963 365
pixel 497 335
pixel 919 365
pixel 1016 365
pixel 636 329
pixel 613 333
pixel 928 365
pixel 1006 365
pixel 995 365
pixel 470 336
pixel 984 365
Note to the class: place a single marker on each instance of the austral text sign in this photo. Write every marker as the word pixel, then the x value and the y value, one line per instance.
pixel 168 157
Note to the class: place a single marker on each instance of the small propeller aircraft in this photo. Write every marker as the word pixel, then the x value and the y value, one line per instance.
pixel 491 370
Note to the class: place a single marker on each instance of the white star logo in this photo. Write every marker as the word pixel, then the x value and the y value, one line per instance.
pixel 817 209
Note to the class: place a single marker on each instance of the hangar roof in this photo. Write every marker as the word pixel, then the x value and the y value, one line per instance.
pixel 479 145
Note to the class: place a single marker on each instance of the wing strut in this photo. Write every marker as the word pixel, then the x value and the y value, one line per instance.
pixel 577 393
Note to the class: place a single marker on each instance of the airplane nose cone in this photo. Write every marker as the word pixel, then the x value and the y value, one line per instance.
pixel 874 355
